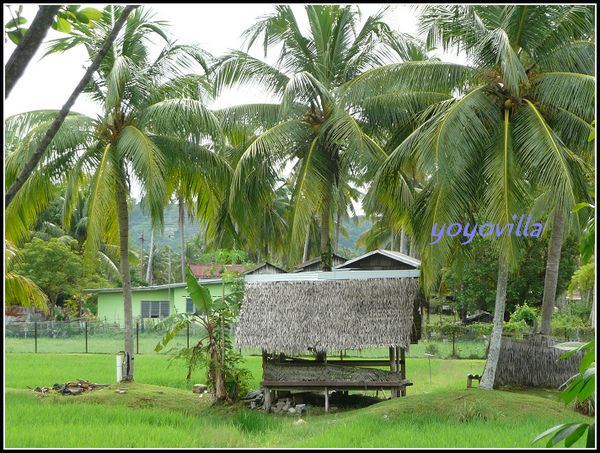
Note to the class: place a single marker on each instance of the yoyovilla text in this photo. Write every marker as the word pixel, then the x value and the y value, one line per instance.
pixel 486 229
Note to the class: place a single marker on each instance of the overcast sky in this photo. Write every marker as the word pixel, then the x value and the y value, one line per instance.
pixel 47 83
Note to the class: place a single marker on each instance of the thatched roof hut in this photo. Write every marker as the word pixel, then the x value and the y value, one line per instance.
pixel 327 311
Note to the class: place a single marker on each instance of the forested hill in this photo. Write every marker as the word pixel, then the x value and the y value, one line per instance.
pixel 140 222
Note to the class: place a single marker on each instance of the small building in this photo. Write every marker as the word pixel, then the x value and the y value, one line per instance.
pixel 150 302
pixel 161 301
pixel 381 260
pixel 479 318
pixel 326 313
pixel 315 264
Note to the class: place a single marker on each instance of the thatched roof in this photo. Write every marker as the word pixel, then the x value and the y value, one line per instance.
pixel 293 316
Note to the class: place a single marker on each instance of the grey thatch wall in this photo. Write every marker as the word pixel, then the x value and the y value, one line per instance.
pixel 326 372
pixel 294 316
pixel 534 363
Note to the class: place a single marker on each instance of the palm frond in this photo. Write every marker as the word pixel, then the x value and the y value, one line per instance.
pixel 574 93
pixel 148 164
pixel 543 156
pixel 185 117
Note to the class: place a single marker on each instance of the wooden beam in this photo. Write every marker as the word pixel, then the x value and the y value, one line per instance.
pixel 335 384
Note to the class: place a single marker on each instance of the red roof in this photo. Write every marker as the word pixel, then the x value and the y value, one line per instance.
pixel 204 270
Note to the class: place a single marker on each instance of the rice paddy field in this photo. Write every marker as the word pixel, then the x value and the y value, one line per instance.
pixel 160 411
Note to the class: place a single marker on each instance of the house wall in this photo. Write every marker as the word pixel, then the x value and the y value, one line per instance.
pixel 110 304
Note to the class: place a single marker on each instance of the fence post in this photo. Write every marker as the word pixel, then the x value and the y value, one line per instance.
pixel 86 337
pixel 453 349
pixel 188 336
pixel 35 334
pixel 137 337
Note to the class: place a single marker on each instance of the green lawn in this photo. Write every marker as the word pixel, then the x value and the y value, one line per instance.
pixel 160 411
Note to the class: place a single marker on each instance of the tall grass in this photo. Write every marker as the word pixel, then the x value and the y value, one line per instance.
pixel 439 413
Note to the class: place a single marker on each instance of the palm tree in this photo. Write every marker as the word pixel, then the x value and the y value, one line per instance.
pixel 514 128
pixel 143 121
pixel 316 131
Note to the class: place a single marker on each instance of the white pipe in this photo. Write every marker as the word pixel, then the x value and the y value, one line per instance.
pixel 119 368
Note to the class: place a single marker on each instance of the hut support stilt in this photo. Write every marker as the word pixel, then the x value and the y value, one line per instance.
pixel 267 401
pixel 393 392
pixel 326 399
pixel 402 368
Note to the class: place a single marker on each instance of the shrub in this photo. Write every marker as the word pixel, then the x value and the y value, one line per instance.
pixel 432 348
pixel 524 313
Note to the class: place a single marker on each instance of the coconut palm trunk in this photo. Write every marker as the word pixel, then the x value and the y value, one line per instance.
pixel 123 219
pixel 182 239
pixel 150 258
pixel 326 258
pixel 551 280
pixel 491 363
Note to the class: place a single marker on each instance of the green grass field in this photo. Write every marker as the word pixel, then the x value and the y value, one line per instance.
pixel 160 411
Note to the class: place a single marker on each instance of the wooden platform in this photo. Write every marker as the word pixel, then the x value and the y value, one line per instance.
pixel 325 377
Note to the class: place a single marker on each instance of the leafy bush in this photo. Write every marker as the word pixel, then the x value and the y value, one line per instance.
pixel 525 313
pixel 432 348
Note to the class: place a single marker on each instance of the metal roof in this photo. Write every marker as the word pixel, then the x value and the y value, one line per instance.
pixel 396 256
pixel 341 274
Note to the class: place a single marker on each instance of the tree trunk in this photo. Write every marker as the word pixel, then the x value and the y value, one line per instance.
pixel 306 244
pixel 491 363
pixel 28 46
pixel 403 242
pixel 150 258
pixel 551 280
pixel 337 229
pixel 142 258
pixel 64 111
pixel 326 258
pixel 123 218
pixel 182 240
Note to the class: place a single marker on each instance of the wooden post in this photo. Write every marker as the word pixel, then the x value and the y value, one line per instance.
pixel 403 369
pixel 35 334
pixel 267 400
pixel 137 337
pixel 264 358
pixel 86 337
pixel 188 336
pixel 326 400
pixel 392 349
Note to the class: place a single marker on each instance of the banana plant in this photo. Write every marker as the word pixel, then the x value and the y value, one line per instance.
pixel 213 315
pixel 581 386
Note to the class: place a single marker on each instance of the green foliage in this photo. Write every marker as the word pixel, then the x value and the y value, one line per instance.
pixel 432 348
pixel 581 386
pixel 473 283
pixel 215 351
pixel 66 16
pixel 524 313
pixel 53 266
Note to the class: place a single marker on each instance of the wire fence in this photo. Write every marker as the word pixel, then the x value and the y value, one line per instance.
pixel 98 337
pixel 92 337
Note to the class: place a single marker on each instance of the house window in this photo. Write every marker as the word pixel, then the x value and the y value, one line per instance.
pixel 191 308
pixel 155 308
